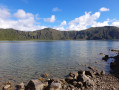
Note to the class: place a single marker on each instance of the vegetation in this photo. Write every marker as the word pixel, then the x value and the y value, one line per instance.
pixel 96 33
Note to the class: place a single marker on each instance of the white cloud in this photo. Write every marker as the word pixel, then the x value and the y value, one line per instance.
pixel 103 9
pixel 4 13
pixel 115 23
pixel 82 22
pixel 51 19
pixel 100 24
pixel 61 28
pixel 63 23
pixel 56 9
pixel 22 14
pixel 24 21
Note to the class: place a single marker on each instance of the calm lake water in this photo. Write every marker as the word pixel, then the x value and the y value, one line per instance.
pixel 25 60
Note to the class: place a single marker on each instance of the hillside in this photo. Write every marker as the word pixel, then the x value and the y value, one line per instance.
pixel 97 33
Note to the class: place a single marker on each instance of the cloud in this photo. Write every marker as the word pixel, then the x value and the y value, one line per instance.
pixel 103 9
pixel 61 28
pixel 20 20
pixel 56 9
pixel 83 21
pixel 100 24
pixel 63 23
pixel 51 19
pixel 115 23
pixel 22 14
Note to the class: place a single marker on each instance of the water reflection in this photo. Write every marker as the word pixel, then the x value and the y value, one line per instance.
pixel 22 59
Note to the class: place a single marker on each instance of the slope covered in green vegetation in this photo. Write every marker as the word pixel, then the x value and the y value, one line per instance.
pixel 96 33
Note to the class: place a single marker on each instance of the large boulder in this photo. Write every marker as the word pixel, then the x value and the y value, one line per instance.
pixel 36 85
pixel 55 86
pixel 87 82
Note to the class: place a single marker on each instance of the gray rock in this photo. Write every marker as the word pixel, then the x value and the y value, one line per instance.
pixel 91 68
pixel 55 86
pixel 85 80
pixel 79 85
pixel 73 74
pixel 74 83
pixel 45 75
pixel 69 79
pixel 21 86
pixel 102 72
pixel 90 73
pixel 36 85
pixel 55 80
pixel 6 87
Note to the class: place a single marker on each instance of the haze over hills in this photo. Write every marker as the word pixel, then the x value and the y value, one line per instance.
pixel 96 33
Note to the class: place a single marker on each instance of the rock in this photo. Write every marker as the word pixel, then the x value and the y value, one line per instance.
pixel 64 87
pixel 36 85
pixel 6 87
pixel 97 73
pixel 101 53
pixel 74 83
pixel 21 86
pixel 69 79
pixel 105 57
pixel 90 74
pixel 41 79
pixel 102 72
pixel 80 72
pixel 63 81
pixel 73 74
pixel 79 84
pixel 55 80
pixel 55 86
pixel 45 75
pixel 85 80
pixel 71 87
pixel 112 64
pixel 91 68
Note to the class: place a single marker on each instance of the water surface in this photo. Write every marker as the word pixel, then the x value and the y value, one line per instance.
pixel 25 60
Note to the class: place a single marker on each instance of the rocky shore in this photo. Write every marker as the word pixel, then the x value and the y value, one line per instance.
pixel 81 80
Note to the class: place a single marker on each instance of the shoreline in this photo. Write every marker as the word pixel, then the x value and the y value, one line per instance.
pixel 81 80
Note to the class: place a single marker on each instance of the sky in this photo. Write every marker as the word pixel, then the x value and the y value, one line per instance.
pixel 64 15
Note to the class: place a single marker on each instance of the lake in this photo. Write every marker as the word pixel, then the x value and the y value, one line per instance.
pixel 25 60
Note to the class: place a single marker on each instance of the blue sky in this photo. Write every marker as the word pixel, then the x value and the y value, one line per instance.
pixel 29 15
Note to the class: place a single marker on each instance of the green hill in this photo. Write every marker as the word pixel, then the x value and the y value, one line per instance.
pixel 96 33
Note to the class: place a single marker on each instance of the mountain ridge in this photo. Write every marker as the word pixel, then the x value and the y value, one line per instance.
pixel 94 33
